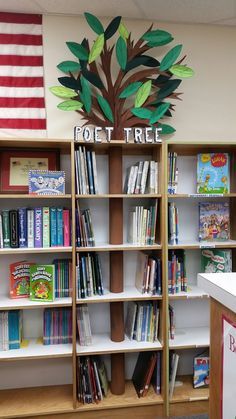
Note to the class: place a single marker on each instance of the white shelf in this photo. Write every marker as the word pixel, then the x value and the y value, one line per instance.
pixel 193 292
pixel 221 287
pixel 24 250
pixel 103 344
pixel 195 244
pixel 130 293
pixel 37 350
pixel 195 337
pixel 7 303
pixel 106 247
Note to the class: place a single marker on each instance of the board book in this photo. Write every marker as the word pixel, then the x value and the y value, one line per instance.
pixel 214 221
pixel 213 173
pixel 42 282
pixel 19 279
pixel 216 260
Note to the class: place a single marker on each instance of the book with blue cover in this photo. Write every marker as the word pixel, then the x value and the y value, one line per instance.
pixel 214 221
pixel 213 173
pixel 46 182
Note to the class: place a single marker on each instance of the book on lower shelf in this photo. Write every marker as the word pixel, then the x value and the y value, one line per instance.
pixel 143 372
pixel 57 326
pixel 173 223
pixel 213 173
pixel 142 321
pixel 214 221
pixel 174 361
pixel 42 282
pixel 142 225
pixel 216 260
pixel 92 382
pixel 148 277
pixel 83 325
pixel 177 281
pixel 171 321
pixel 201 370
pixel 10 329
pixel 84 228
pixel 20 279
pixel 89 278
pixel 172 173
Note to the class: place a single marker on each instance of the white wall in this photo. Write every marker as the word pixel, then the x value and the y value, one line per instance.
pixel 208 107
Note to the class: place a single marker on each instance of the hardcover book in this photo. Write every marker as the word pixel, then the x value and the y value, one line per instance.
pixel 214 221
pixel 42 282
pixel 216 260
pixel 213 173
pixel 46 182
pixel 201 370
pixel 19 279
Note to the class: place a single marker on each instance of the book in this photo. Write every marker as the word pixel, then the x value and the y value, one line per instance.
pixel 216 260
pixel 46 182
pixel 201 366
pixel 143 371
pixel 42 282
pixel 38 227
pixel 22 213
pixel 46 227
pixel 173 371
pixel 214 221
pixel 6 228
pixel 213 173
pixel 30 228
pixel 19 279
pixel 14 228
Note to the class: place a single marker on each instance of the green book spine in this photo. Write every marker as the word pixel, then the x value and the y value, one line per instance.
pixel 6 228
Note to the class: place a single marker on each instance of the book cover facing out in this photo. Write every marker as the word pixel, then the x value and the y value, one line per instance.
pixel 213 173
pixel 19 279
pixel 42 282
pixel 201 371
pixel 216 260
pixel 46 182
pixel 214 221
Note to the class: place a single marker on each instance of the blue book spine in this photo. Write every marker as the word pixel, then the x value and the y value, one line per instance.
pixel 53 226
pixel 60 234
pixel 38 227
pixel 14 329
pixel 23 240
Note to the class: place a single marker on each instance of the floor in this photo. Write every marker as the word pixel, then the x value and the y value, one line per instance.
pixel 191 417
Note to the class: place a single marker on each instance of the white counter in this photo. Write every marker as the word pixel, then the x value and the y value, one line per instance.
pixel 221 287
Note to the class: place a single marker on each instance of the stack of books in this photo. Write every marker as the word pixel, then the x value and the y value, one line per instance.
pixel 177 280
pixel 84 228
pixel 173 223
pixel 83 324
pixel 142 321
pixel 142 178
pixel 89 279
pixel 148 278
pixel 147 369
pixel 10 329
pixel 172 173
pixel 142 224
pixel 86 171
pixel 92 379
pixel 57 326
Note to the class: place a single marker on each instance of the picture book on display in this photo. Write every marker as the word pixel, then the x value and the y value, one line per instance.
pixel 42 282
pixel 216 260
pixel 214 221
pixel 46 182
pixel 201 370
pixel 19 279
pixel 213 173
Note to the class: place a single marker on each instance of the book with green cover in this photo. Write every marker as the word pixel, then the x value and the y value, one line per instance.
pixel 42 282
pixel 216 260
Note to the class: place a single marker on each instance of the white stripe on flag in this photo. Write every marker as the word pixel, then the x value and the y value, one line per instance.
pixel 21 28
pixel 23 113
pixel 13 49
pixel 23 133
pixel 21 71
pixel 21 92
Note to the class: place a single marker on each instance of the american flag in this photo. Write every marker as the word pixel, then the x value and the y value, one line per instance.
pixel 22 104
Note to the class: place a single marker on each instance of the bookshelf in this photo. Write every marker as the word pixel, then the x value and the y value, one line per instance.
pixel 109 212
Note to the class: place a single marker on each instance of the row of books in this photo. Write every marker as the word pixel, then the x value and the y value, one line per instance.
pixel 148 278
pixel 10 329
pixel 142 321
pixel 86 171
pixel 142 222
pixel 89 280
pixel 41 282
pixel 57 326
pixel 171 325
pixel 38 227
pixel 173 223
pixel 177 280
pixel 172 173
pixel 83 325
pixel 142 178
pixel 147 370
pixel 92 379
pixel 84 228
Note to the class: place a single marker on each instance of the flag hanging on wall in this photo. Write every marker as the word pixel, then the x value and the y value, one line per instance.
pixel 22 104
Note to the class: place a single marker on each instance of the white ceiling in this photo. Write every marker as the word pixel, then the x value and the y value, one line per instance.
pixel 185 11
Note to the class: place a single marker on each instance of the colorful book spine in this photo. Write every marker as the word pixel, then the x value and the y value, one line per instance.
pixel 60 234
pixel 6 228
pixel 14 228
pixel 66 225
pixel 38 227
pixel 30 228
pixel 53 226
pixel 23 242
pixel 46 227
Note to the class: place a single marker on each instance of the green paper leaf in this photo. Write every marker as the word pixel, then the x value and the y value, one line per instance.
pixel 142 113
pixel 78 50
pixel 142 60
pixel 159 112
pixel 70 82
pixel 112 27
pixel 130 90
pixel 121 52
pixel 70 105
pixel 181 71
pixel 167 89
pixel 85 95
pixel 93 78
pixel 67 66
pixel 105 107
pixel 158 37
pixel 96 48
pixel 159 44
pixel 142 94
pixel 170 57
pixel 61 91
pixel 94 23
pixel 123 31
pixel 166 129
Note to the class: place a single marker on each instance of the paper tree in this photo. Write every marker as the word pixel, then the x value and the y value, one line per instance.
pixel 139 93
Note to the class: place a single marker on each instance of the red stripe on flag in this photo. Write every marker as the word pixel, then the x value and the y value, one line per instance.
pixel 21 81
pixel 22 102
pixel 20 18
pixel 18 60
pixel 22 39
pixel 23 123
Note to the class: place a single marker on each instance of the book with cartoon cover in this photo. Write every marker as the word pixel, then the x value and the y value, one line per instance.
pixel 216 260
pixel 214 221
pixel 19 279
pixel 42 282
pixel 213 173
pixel 201 370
